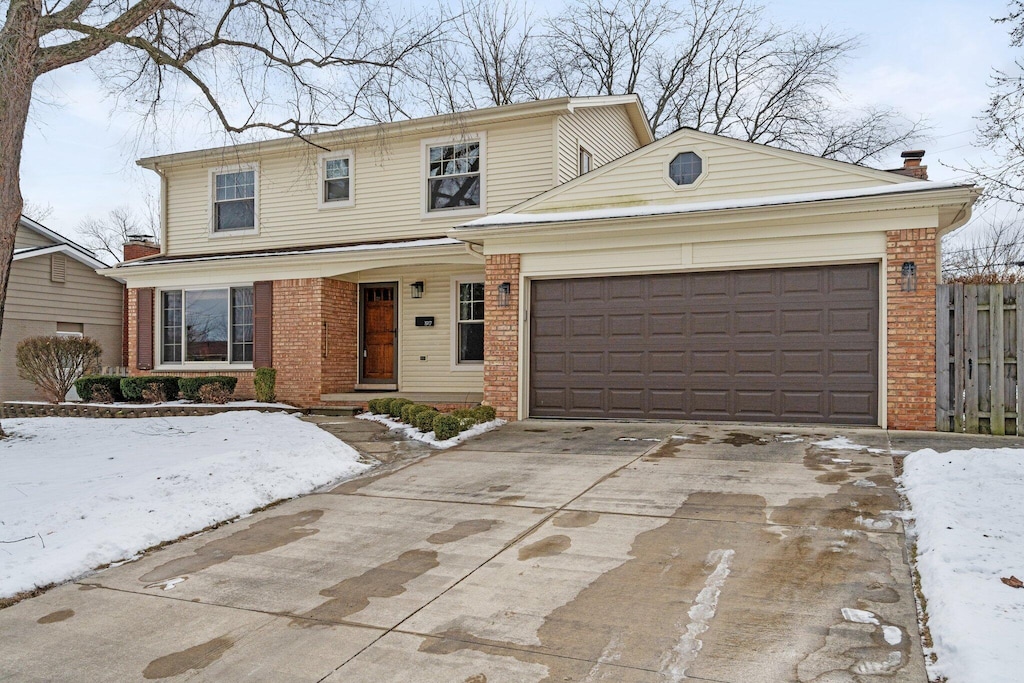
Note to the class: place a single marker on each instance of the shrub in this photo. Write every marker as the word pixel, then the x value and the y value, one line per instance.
pixel 384 406
pixel 374 405
pixel 132 387
pixel 409 413
pixel 88 386
pixel 446 426
pixel 264 383
pixel 54 363
pixel 485 413
pixel 214 393
pixel 425 420
pixel 395 409
pixel 464 414
pixel 190 386
pixel 154 392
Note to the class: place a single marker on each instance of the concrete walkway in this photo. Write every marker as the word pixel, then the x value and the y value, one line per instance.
pixel 544 551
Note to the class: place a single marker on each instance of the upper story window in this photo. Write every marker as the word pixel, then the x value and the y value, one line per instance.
pixel 685 168
pixel 335 179
pixel 586 161
pixel 234 199
pixel 454 175
pixel 206 325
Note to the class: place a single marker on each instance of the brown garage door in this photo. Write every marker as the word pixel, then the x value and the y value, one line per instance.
pixel 787 344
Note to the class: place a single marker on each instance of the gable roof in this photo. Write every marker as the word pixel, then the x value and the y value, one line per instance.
pixel 622 169
pixel 62 245
pixel 487 115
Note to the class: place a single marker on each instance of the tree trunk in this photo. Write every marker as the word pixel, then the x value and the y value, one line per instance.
pixel 18 44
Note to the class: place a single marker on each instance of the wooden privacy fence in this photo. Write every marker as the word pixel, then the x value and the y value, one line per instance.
pixel 979 348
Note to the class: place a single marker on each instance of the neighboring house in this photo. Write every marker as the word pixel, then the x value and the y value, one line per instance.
pixel 54 289
pixel 695 277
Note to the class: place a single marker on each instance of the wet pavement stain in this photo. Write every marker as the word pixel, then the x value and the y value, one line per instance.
pixel 54 617
pixel 462 530
pixel 498 488
pixel 194 658
pixel 260 537
pixel 88 587
pixel 739 439
pixel 741 507
pixel 665 450
pixel 546 547
pixel 479 678
pixel 832 477
pixel 385 581
pixel 354 485
pixel 504 500
pixel 696 439
pixel 536 431
pixel 575 520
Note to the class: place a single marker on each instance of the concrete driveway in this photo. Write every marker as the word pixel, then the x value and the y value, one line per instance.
pixel 543 551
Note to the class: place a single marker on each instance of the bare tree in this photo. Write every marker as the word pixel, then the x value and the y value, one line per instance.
pixel 253 65
pixel 36 211
pixel 106 236
pixel 994 253
pixel 1002 123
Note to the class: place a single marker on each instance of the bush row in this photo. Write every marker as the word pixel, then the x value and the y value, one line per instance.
pixel 156 388
pixel 428 419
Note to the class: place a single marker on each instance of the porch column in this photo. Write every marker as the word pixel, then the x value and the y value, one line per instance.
pixel 501 335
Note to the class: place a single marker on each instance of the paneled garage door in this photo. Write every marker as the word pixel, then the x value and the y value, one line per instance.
pixel 786 344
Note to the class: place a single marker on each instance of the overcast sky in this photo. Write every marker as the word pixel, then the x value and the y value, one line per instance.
pixel 928 58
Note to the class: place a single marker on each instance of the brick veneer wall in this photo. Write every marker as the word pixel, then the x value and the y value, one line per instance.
pixel 310 358
pixel 911 330
pixel 340 312
pixel 501 337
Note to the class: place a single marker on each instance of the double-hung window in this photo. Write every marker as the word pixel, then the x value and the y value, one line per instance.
pixel 586 161
pixel 206 325
pixel 234 200
pixel 335 179
pixel 454 177
pixel 470 322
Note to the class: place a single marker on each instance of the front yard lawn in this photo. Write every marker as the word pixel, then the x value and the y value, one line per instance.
pixel 78 493
pixel 968 519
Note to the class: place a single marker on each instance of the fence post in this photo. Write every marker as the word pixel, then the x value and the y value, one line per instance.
pixel 943 395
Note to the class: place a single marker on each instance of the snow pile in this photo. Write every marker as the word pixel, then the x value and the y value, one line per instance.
pixel 968 511
pixel 429 438
pixel 85 492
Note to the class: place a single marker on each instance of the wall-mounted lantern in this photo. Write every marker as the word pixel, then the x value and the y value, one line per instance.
pixel 908 277
pixel 504 294
pixel 416 290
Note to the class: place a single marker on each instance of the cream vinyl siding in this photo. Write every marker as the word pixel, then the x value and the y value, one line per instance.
pixel 605 132
pixel 435 374
pixel 26 238
pixel 733 170
pixel 387 192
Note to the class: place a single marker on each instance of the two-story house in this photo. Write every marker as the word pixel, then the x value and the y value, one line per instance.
pixel 331 262
pixel 553 260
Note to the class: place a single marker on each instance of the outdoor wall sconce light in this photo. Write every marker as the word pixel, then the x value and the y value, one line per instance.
pixel 908 277
pixel 416 290
pixel 504 294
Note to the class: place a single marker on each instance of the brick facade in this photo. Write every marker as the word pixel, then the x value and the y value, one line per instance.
pixel 315 344
pixel 911 330
pixel 501 336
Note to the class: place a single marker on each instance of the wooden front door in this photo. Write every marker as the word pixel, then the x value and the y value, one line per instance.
pixel 379 334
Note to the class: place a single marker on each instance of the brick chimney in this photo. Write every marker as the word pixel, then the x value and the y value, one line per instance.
pixel 912 165
pixel 139 246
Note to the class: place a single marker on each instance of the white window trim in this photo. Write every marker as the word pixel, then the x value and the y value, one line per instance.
pixel 456 280
pixel 672 154
pixel 321 162
pixel 580 151
pixel 214 172
pixel 425 146
pixel 195 365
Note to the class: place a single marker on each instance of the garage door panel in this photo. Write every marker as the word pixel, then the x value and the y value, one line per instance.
pixel 795 344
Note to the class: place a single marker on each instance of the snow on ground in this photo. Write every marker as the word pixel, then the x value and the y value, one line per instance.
pixel 413 433
pixel 968 517
pixel 85 492
pixel 167 404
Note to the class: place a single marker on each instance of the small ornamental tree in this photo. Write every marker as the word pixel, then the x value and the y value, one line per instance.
pixel 54 363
